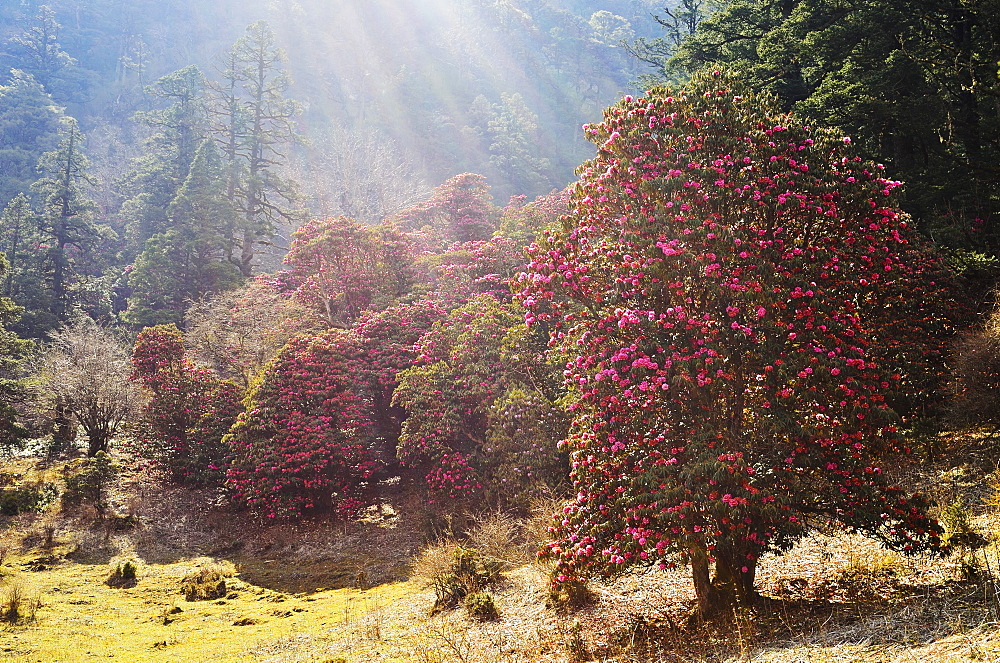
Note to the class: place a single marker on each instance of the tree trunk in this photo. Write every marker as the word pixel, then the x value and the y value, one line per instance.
pixel 705 593
pixel 734 579
pixel 732 587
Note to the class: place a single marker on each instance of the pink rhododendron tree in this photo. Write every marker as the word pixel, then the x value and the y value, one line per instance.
pixel 341 268
pixel 387 343
pixel 305 443
pixel 480 402
pixel 188 410
pixel 460 210
pixel 712 293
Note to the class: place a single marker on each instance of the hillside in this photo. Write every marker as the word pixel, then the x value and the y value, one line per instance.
pixel 361 591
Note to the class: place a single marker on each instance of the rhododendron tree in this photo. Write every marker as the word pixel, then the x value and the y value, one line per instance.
pixel 188 410
pixel 481 413
pixel 711 292
pixel 387 342
pixel 341 268
pixel 522 221
pixel 305 443
pixel 460 210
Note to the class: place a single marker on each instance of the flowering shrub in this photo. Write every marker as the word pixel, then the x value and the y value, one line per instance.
pixel 480 415
pixel 460 210
pixel 304 443
pixel 711 293
pixel 387 345
pixel 341 268
pixel 188 409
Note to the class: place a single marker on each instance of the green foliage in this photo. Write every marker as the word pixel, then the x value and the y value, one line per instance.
pixel 257 123
pixel 27 498
pixel 481 607
pixel 67 225
pixel 468 573
pixel 207 582
pixel 87 485
pixel 912 82
pixel 187 261
pixel 29 122
pixel 123 575
pixel 480 404
pixel 155 177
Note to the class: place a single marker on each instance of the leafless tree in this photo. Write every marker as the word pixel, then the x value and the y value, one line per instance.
pixel 84 372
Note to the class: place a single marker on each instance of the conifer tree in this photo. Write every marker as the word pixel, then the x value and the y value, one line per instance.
pixel 67 223
pixel 29 124
pixel 178 130
pixel 254 123
pixel 185 263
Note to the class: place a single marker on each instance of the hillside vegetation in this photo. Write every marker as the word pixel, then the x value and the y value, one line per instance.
pixel 398 330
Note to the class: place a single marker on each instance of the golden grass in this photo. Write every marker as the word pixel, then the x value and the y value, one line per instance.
pixel 82 619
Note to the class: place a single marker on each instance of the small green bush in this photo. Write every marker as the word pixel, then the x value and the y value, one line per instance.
pixel 87 485
pixel 207 583
pixel 123 575
pixel 468 572
pixel 480 606
pixel 569 595
pixel 27 498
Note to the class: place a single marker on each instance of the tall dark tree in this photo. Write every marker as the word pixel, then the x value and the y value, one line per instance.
pixel 67 223
pixel 29 123
pixel 38 52
pixel 915 82
pixel 178 129
pixel 255 122
pixel 186 262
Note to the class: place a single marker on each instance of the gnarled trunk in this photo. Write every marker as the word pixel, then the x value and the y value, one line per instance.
pixel 731 588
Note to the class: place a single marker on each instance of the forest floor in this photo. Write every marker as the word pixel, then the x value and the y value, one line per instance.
pixel 330 592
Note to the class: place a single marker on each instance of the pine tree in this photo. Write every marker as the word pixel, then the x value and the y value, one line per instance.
pixel 185 263
pixel 67 224
pixel 29 124
pixel 254 123
pixel 178 130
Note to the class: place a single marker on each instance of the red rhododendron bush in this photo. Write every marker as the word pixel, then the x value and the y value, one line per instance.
pixel 305 442
pixel 712 293
pixel 188 410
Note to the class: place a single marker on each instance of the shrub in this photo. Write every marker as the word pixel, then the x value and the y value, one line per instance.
pixel 305 443
pixel 207 582
pixel 480 606
pixel 90 481
pixel 16 606
pixel 123 575
pixel 188 410
pixel 467 572
pixel 27 498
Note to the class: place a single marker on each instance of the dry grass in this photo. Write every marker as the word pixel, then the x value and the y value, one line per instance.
pixel 291 596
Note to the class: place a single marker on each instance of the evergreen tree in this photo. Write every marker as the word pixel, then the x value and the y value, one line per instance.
pixel 915 82
pixel 67 225
pixel 178 129
pixel 254 122
pixel 12 352
pixel 39 53
pixel 29 123
pixel 185 263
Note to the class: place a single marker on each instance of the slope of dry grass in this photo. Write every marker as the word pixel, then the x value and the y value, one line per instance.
pixel 330 592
